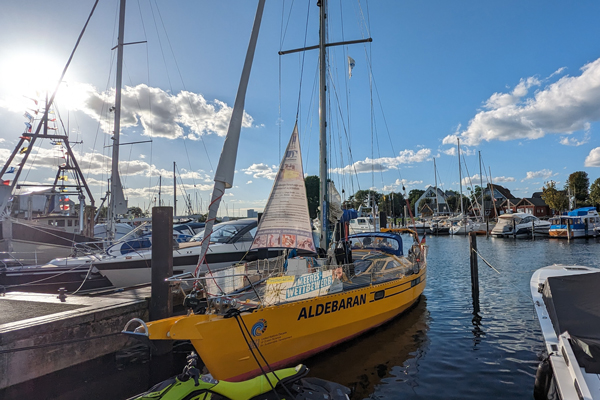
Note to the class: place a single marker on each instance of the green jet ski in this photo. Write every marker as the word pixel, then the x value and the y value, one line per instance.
pixel 287 383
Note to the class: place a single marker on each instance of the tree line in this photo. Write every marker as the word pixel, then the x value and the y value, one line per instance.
pixel 576 193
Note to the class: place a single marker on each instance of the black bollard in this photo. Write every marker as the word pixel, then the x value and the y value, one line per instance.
pixel 161 301
pixel 474 266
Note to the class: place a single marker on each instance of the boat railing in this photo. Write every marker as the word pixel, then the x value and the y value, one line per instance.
pixel 17 259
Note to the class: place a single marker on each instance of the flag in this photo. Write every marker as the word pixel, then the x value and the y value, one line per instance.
pixel 423 240
pixel 5 183
pixel 23 150
pixel 28 125
pixel 351 64
pixel 34 100
pixel 11 170
pixel 63 178
pixel 28 116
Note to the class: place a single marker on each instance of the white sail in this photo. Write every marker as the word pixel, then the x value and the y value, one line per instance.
pixel 285 222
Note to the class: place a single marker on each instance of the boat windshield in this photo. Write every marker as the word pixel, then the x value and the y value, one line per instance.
pixel 223 233
pixel 374 242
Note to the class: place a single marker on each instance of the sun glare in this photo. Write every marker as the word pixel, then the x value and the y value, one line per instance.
pixel 23 79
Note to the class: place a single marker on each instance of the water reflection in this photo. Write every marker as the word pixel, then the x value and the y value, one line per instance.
pixel 363 362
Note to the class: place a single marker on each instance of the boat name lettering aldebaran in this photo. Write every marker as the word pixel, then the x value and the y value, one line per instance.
pixel 332 306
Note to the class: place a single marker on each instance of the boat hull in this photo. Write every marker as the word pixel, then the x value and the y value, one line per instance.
pixel 290 332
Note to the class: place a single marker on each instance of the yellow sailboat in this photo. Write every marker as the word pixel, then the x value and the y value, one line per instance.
pixel 254 318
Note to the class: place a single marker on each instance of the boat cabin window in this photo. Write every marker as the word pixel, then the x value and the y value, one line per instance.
pixel 60 222
pixel 69 223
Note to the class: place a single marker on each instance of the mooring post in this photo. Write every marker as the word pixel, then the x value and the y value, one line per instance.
pixel 487 227
pixel 161 301
pixel 474 266
pixel 514 228
pixel 533 229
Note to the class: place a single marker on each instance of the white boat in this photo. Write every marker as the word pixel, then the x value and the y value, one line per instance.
pixel 360 225
pixel 466 226
pixel 229 243
pixel 566 303
pixel 579 223
pixel 519 225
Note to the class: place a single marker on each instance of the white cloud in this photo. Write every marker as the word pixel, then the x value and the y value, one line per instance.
pixel 465 151
pixel 385 163
pixel 570 141
pixel 160 113
pixel 563 107
pixel 261 171
pixel 593 159
pixel 544 174
pixel 397 185
pixel 503 179
pixel 249 182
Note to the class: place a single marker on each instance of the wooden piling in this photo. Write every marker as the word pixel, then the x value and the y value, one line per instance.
pixel 474 266
pixel 161 302
pixel 533 229
pixel 568 230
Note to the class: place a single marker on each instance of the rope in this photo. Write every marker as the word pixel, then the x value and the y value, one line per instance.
pixel 499 273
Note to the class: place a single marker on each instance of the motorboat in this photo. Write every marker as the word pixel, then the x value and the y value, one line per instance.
pixel 230 243
pixel 519 225
pixel 579 223
pixel 361 224
pixel 466 226
pixel 565 300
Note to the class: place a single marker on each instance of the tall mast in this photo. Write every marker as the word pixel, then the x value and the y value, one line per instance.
pixel 460 180
pixel 174 191
pixel 324 240
pixel 437 202
pixel 480 186
pixel 115 181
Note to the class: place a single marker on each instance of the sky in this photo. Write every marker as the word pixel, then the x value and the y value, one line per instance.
pixel 517 82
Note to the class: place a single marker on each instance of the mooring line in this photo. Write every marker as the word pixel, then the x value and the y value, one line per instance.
pixel 499 273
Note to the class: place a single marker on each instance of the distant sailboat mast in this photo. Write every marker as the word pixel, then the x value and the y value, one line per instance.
pixel 460 179
pixel 437 201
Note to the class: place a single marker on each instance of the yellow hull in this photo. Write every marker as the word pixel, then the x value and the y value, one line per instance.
pixel 289 332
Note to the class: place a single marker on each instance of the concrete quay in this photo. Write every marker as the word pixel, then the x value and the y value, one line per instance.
pixel 39 334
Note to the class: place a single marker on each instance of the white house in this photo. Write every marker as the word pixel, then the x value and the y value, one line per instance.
pixel 430 193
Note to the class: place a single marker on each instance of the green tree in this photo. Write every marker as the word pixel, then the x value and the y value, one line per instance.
pixel 557 200
pixel 136 212
pixel 578 184
pixel 413 196
pixel 312 184
pixel 361 197
pixel 392 204
pixel 595 193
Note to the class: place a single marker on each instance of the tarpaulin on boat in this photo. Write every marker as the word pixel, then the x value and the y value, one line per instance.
pixel 573 306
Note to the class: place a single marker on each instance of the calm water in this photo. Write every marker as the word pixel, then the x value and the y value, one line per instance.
pixel 440 349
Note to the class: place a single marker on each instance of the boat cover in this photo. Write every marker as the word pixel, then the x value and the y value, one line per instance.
pixel 573 306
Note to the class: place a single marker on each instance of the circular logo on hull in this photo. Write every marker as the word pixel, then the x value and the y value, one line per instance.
pixel 259 328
